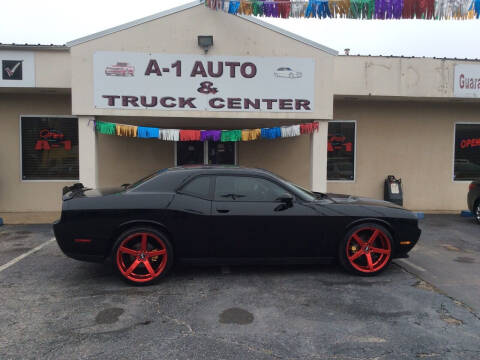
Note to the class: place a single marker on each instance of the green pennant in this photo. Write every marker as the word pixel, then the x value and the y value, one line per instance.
pixel 106 128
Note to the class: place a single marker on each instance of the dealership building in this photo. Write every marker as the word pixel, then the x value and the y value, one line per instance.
pixel 194 68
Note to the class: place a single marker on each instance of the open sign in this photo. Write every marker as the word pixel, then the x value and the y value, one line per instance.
pixel 51 138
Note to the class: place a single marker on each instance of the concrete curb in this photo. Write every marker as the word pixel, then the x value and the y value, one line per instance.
pixel 466 213
pixel 419 215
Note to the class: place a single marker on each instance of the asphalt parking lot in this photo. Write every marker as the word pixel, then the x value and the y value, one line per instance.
pixel 54 307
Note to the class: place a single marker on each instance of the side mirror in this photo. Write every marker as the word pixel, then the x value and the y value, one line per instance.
pixel 286 198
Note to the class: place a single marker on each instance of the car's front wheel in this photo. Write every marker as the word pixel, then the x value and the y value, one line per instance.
pixel 142 255
pixel 366 249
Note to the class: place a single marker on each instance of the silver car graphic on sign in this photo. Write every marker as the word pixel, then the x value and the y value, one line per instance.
pixel 286 72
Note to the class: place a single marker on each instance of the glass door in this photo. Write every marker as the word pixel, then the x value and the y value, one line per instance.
pixel 190 153
pixel 221 153
pixel 205 153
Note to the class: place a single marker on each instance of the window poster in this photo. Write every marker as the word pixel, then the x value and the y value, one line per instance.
pixel 49 148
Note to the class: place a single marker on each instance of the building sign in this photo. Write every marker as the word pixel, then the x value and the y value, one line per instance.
pixel 12 69
pixel 467 81
pixel 18 69
pixel 125 80
pixel 52 139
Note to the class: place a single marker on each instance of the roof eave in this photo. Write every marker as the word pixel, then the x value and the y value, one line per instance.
pixel 134 23
pixel 34 47
pixel 290 34
pixel 189 6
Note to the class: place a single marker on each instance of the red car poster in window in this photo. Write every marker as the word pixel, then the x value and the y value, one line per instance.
pixel 49 148
pixel 341 150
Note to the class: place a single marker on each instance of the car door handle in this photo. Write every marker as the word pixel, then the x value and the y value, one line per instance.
pixel 223 211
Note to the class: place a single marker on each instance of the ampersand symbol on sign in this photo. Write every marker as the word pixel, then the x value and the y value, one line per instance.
pixel 206 88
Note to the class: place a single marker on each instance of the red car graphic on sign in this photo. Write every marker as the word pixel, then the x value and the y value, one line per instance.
pixel 338 142
pixel 120 69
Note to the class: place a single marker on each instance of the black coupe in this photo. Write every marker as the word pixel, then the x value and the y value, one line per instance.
pixel 228 215
pixel 473 200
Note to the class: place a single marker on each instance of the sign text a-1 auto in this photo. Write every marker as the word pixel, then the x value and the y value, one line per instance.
pixel 208 85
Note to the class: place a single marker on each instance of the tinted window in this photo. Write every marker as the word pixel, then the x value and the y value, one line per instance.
pixel 199 186
pixel 49 148
pixel 467 152
pixel 189 153
pixel 222 153
pixel 160 181
pixel 341 150
pixel 243 188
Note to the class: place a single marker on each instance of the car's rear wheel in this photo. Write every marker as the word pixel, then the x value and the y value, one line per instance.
pixel 142 255
pixel 476 212
pixel 366 250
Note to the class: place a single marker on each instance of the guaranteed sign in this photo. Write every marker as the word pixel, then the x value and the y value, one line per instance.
pixel 467 81
pixel 124 80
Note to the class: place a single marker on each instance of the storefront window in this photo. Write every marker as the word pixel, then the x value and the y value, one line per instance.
pixel 221 153
pixel 467 152
pixel 189 153
pixel 49 148
pixel 341 150
pixel 192 153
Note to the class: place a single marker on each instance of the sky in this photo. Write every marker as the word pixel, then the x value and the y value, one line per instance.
pixel 60 21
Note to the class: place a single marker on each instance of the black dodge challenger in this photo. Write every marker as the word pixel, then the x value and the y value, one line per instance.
pixel 228 215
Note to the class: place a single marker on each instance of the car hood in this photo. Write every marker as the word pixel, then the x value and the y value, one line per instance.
pixel 361 201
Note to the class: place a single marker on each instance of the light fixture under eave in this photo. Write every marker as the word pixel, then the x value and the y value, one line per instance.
pixel 205 42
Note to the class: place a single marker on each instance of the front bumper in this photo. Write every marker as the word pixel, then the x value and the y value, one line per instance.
pixel 471 198
pixel 402 247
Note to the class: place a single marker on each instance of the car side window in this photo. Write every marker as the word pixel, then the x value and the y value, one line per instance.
pixel 245 188
pixel 200 186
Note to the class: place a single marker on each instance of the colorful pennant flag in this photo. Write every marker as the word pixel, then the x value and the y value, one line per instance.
pixel 352 9
pixel 108 128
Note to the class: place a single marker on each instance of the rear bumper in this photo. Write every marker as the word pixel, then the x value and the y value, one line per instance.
pixel 85 257
pixel 82 251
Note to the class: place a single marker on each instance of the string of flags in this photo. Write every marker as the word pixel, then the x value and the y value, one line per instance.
pixel 109 128
pixel 352 9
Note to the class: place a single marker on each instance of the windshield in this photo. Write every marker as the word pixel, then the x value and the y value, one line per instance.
pixel 299 191
pixel 308 194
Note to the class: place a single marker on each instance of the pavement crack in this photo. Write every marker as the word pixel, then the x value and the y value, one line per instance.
pixel 425 285
pixel 263 351
pixel 445 316
pixel 181 323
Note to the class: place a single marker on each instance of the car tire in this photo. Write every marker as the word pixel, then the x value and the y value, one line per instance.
pixel 142 255
pixel 367 249
pixel 476 212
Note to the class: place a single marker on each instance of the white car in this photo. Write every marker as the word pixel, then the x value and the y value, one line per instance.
pixel 287 72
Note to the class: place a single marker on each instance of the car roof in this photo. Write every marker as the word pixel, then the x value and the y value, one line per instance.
pixel 218 169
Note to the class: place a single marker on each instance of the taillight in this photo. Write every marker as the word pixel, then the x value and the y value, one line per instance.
pixel 472 186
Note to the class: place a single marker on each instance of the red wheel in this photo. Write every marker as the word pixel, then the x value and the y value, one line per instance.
pixel 367 249
pixel 142 255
